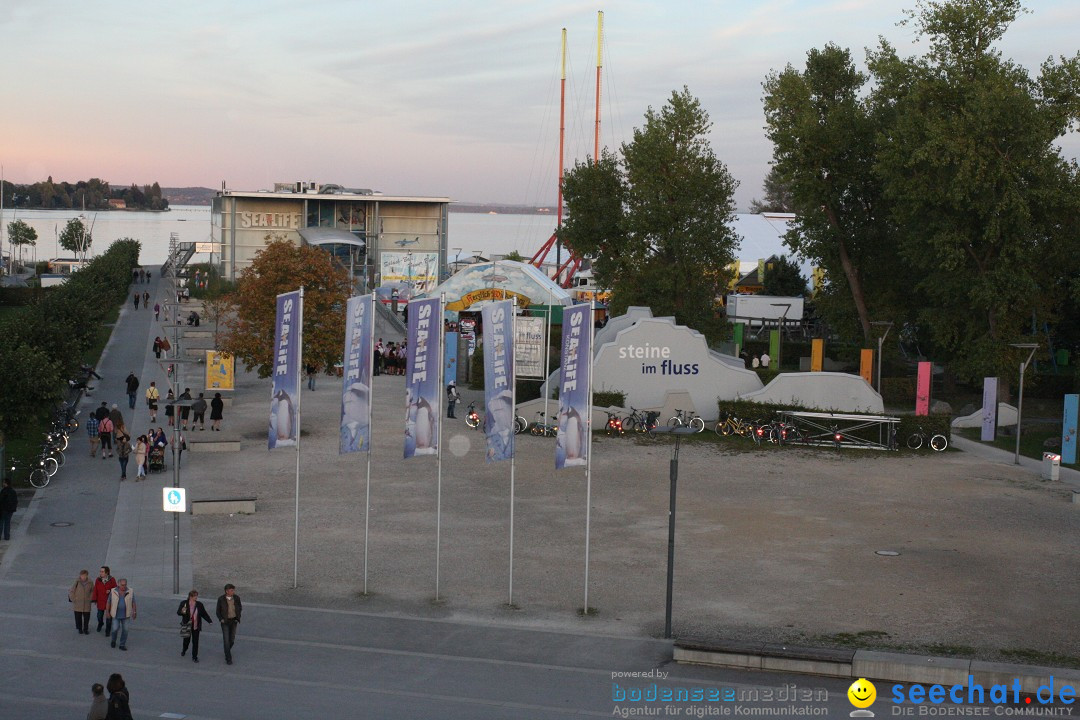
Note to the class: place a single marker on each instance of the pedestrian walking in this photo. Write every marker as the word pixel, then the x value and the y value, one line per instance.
pixel 132 388
pixel 80 596
pixel 192 613
pixel 122 440
pixel 765 360
pixel 198 412
pixel 137 296
pixel 134 276
pixel 105 432
pixel 157 311
pixel 102 411
pixel 94 435
pixel 229 608
pixel 119 699
pixel 142 448
pixel 99 707
pixel 152 396
pixel 170 408
pixel 157 347
pixel 216 406
pixel 117 418
pixel 122 610
pixel 146 300
pixel 9 502
pixel 185 409
pixel 102 585
pixel 310 370
pixel 147 276
pixel 452 398
pixel 181 443
pixel 142 275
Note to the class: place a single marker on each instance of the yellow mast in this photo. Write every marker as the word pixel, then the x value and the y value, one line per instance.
pixel 599 65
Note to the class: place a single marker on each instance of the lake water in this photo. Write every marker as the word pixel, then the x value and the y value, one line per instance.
pixel 468 232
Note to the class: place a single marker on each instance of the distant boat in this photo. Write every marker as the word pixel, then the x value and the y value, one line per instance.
pixel 181 219
pixel 492 212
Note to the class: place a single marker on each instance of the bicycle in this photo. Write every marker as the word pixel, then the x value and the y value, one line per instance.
pixel 730 425
pixel 520 424
pixel 614 425
pixel 544 429
pixel 472 418
pixel 640 421
pixel 689 419
pixel 937 441
pixel 39 476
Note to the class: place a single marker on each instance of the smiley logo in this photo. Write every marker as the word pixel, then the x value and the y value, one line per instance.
pixel 862 693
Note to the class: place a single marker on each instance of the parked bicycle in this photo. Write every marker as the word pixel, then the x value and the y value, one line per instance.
pixel 728 424
pixel 472 418
pixel 39 474
pixel 688 419
pixel 541 428
pixel 614 425
pixel 938 442
pixel 640 421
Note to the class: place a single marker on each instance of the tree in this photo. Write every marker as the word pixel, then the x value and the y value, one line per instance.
pixel 824 148
pixel 75 237
pixel 19 234
pixel 658 222
pixel 278 268
pixel 515 256
pixel 985 208
pixel 783 278
pixel 778 197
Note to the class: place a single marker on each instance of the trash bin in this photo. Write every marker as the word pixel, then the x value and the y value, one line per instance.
pixel 1051 466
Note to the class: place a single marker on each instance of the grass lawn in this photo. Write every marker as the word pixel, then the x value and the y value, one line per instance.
pixel 1031 441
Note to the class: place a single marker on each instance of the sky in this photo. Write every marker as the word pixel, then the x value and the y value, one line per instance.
pixel 447 99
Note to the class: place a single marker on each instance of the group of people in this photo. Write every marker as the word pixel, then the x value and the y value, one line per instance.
pixel 139 275
pixel 756 361
pixel 118 704
pixel 145 297
pixel 389 359
pixel 107 432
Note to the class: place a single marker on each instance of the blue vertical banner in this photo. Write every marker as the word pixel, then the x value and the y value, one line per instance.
pixel 356 375
pixel 423 396
pixel 498 321
pixel 1068 429
pixel 284 420
pixel 989 409
pixel 575 415
pixel 450 365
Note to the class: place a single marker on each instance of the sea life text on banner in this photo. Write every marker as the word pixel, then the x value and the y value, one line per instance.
pixel 356 383
pixel 283 408
pixel 422 392
pixel 498 321
pixel 572 441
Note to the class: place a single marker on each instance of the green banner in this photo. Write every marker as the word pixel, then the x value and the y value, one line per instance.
pixel 774 347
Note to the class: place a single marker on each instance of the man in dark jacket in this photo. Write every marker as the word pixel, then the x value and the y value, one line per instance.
pixel 198 412
pixel 228 614
pixel 185 410
pixel 102 412
pixel 132 387
pixel 9 501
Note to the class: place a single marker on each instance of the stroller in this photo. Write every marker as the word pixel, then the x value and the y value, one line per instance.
pixel 155 460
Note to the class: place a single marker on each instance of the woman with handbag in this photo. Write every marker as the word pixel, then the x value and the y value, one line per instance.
pixel 192 614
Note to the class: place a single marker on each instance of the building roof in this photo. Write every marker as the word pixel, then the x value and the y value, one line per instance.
pixel 373 197
pixel 329 236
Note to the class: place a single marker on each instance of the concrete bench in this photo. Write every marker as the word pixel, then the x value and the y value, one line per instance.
pixel 224 506
pixel 213 443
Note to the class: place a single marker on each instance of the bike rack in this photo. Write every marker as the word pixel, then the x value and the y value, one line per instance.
pixel 822 429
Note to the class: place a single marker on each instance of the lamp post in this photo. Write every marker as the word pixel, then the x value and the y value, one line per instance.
pixel 673 477
pixel 881 341
pixel 1020 403
pixel 780 336
pixel 457 259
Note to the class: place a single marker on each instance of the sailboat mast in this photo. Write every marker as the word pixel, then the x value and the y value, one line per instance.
pixel 599 65
pixel 562 143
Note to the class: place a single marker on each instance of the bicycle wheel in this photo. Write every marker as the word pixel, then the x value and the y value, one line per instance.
pixel 62 443
pixel 697 425
pixel 520 425
pixel 722 429
pixel 939 442
pixel 629 424
pixel 537 430
pixel 915 441
pixel 58 455
pixel 472 421
pixel 51 466
pixel 674 421
pixel 39 478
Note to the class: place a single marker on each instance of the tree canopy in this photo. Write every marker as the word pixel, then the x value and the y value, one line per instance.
pixel 931 189
pixel 657 221
pixel 278 268
pixel 783 278
pixel 76 236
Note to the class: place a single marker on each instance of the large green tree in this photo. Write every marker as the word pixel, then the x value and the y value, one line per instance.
pixel 657 221
pixel 20 234
pixel 777 197
pixel 985 208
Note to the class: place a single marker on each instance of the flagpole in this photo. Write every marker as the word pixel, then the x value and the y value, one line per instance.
pixel 438 493
pixel 588 459
pixel 299 392
pixel 513 439
pixel 371 396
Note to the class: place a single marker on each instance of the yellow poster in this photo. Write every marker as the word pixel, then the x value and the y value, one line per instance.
pixel 220 370
pixel 817 354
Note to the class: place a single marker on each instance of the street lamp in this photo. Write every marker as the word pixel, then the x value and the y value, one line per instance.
pixel 1020 403
pixel 881 341
pixel 673 477
pixel 780 336
pixel 457 259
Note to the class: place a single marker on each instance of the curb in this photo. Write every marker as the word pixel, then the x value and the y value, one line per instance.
pixel 872 664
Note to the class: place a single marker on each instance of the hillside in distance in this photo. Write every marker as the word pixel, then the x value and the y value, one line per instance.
pixel 188 195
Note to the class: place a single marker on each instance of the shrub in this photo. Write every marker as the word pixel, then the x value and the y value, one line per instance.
pixel 604 398
pixel 898 390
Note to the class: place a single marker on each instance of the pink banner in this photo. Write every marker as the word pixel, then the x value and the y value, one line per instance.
pixel 922 390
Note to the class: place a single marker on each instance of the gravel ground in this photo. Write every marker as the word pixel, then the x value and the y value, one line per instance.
pixel 777 544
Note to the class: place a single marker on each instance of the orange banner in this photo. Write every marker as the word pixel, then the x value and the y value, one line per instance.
pixel 866 365
pixel 817 354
